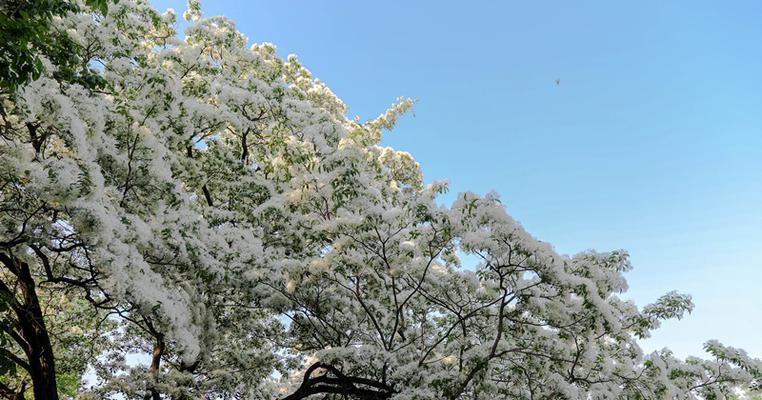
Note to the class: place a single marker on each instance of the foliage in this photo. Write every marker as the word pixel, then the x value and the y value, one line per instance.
pixel 27 37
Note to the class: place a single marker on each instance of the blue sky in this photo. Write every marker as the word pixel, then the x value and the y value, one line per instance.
pixel 652 141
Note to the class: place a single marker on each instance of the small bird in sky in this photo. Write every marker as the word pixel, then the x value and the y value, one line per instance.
pixel 558 82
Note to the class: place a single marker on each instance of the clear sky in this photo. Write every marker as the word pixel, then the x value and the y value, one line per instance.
pixel 652 141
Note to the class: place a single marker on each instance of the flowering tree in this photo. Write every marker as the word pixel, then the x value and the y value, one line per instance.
pixel 223 220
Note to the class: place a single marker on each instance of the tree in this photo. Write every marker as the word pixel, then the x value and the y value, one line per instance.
pixel 77 335
pixel 218 213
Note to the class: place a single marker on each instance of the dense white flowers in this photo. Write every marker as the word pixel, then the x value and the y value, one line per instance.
pixel 251 241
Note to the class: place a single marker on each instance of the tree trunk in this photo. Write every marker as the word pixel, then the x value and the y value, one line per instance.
pixel 31 322
pixel 153 370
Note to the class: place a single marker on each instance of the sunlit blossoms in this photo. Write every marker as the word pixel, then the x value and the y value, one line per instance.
pixel 198 218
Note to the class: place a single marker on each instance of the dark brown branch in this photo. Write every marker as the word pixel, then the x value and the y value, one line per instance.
pixel 347 386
